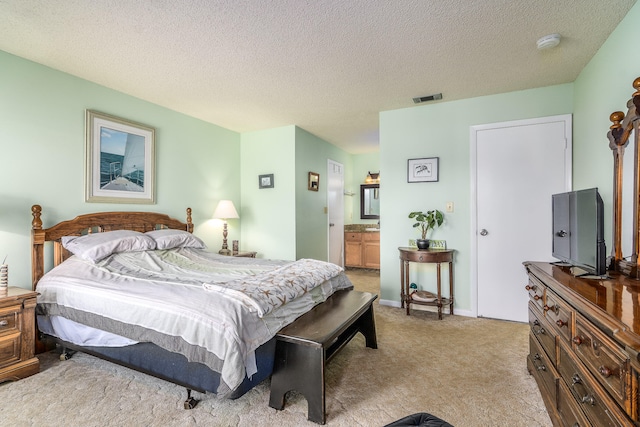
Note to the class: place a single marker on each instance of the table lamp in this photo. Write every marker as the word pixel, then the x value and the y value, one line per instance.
pixel 224 211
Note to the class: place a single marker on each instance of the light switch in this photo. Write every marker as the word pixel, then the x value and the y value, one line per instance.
pixel 449 207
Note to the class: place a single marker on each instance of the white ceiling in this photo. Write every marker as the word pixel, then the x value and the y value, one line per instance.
pixel 328 66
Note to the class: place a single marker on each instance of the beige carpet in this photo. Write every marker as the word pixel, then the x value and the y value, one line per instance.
pixel 469 372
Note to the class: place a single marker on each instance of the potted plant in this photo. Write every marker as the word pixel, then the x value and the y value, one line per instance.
pixel 426 221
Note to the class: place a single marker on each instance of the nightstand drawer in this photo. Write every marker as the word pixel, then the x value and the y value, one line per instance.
pixel 9 319
pixel 10 349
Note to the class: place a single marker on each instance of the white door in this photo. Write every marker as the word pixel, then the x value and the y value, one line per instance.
pixel 335 209
pixel 516 167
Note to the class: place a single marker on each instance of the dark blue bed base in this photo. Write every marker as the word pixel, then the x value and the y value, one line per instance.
pixel 174 367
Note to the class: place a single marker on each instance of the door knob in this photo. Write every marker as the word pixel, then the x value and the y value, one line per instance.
pixel 484 232
pixel 331 224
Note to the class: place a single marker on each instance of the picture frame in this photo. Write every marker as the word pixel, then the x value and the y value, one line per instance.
pixel 265 181
pixel 119 160
pixel 423 170
pixel 313 181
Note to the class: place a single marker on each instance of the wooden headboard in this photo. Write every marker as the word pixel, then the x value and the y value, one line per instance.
pixel 91 223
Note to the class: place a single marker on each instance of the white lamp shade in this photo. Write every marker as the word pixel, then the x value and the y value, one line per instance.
pixel 225 210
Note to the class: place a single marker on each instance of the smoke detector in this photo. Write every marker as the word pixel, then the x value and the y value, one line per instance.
pixel 547 42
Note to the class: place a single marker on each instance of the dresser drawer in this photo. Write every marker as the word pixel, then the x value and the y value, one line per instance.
pixel 560 315
pixel 541 368
pixel 603 357
pixel 588 394
pixel 10 349
pixel 542 331
pixel 536 291
pixel 9 319
pixel 570 413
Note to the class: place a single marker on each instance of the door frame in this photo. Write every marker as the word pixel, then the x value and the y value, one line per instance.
pixel 473 131
pixel 330 164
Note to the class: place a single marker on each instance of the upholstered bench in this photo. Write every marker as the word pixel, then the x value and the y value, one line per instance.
pixel 304 347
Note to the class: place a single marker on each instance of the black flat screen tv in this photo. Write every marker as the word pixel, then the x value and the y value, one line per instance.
pixel 578 230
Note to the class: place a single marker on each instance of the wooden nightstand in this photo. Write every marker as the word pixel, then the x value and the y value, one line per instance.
pixel 17 335
pixel 245 254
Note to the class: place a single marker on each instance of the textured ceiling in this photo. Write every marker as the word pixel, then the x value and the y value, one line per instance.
pixel 328 66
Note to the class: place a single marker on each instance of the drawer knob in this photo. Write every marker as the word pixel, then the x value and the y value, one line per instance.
pixel 575 379
pixel 577 340
pixel 604 371
pixel 589 400
pixel 531 288
pixel 4 322
pixel 536 297
pixel 542 368
pixel 561 323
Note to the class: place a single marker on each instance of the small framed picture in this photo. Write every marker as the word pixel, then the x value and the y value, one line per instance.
pixel 265 181
pixel 314 181
pixel 422 170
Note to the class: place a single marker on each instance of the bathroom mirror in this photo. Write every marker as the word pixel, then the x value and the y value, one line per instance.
pixel 370 201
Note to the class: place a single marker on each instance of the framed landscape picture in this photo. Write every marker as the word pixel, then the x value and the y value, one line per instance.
pixel 119 160
pixel 422 170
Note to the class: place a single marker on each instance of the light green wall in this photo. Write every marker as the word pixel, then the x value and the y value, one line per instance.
pixel 42 141
pixel 312 154
pixel 268 215
pixel 442 130
pixel 362 164
pixel 604 86
pixel 287 221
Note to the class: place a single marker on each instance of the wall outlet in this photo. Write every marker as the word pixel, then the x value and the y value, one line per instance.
pixel 449 207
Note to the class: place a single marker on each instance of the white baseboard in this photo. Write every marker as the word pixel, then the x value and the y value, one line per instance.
pixel 457 311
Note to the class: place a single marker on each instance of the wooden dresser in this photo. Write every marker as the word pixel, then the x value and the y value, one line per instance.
pixel 584 345
pixel 17 335
pixel 362 249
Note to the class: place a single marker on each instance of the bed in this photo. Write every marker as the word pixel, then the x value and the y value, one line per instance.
pixel 139 289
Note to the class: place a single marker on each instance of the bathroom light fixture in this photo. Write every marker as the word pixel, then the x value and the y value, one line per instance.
pixel 433 97
pixel 547 42
pixel 372 178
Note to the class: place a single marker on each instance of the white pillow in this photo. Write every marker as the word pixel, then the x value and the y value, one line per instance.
pixel 169 239
pixel 97 246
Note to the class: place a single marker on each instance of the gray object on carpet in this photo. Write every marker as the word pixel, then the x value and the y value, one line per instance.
pixel 421 419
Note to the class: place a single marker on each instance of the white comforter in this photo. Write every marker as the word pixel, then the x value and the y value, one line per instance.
pixel 179 300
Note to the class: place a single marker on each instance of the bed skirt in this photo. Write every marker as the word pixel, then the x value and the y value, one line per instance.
pixel 174 367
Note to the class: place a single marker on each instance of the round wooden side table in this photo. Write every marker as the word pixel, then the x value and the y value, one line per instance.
pixel 437 256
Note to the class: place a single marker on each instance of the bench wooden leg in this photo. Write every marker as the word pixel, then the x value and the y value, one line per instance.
pixel 301 368
pixel 367 326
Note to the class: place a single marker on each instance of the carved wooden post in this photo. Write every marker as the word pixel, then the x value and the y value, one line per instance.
pixel 37 246
pixel 617 148
pixel 189 221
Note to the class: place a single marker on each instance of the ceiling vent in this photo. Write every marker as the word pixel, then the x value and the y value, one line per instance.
pixel 433 97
